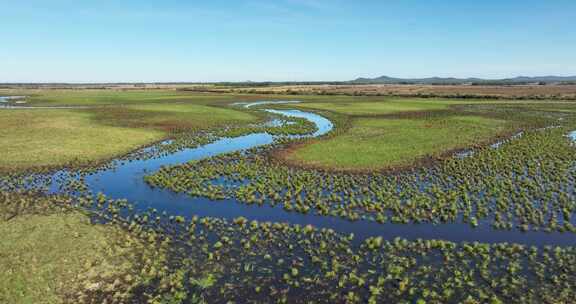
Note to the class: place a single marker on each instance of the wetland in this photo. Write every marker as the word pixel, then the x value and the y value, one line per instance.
pixel 251 199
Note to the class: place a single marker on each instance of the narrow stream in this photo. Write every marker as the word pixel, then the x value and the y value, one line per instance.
pixel 126 181
pixel 5 101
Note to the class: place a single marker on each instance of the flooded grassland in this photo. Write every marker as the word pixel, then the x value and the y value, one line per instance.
pixel 486 215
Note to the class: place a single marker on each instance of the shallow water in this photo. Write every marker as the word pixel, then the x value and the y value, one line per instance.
pixel 21 107
pixel 126 181
pixel 259 103
pixel 4 100
pixel 9 98
pixel 324 125
pixel 572 136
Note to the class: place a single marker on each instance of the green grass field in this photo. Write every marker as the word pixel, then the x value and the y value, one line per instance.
pixel 373 106
pixel 55 137
pixel 36 138
pixel 43 257
pixel 360 107
pixel 128 119
pixel 377 143
pixel 114 97
pixel 387 132
pixel 167 116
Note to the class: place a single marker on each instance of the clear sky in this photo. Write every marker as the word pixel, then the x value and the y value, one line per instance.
pixel 216 40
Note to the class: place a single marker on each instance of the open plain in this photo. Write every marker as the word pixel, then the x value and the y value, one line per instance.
pixel 184 197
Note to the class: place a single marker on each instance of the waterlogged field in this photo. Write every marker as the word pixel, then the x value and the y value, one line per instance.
pixel 112 97
pixel 380 106
pixel 52 253
pixel 378 143
pixel 241 205
pixel 79 135
pixel 36 138
pixel 171 117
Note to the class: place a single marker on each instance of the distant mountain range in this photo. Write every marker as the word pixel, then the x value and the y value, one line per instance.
pixel 451 80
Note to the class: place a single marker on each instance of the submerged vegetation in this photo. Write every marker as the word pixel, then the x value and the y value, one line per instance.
pixel 524 184
pixel 249 261
pixel 52 253
pixel 492 166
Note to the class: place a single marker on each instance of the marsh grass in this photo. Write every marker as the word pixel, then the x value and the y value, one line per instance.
pixel 102 97
pixel 37 138
pixel 522 183
pixel 150 256
pixel 170 117
pixel 373 143
pixel 243 260
pixel 385 106
pixel 382 133
pixel 59 249
pixel 44 257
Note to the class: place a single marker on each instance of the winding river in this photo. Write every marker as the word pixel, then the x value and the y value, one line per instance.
pixel 125 180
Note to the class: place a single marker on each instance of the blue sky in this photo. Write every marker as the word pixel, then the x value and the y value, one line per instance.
pixel 185 40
